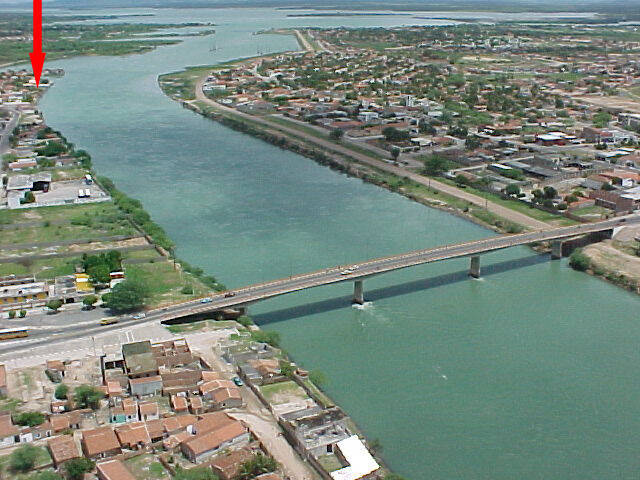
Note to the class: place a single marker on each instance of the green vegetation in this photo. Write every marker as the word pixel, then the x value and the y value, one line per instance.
pixel 270 337
pixel 54 304
pixel 318 378
pixel 127 296
pixel 62 391
pixel 29 419
pixel 258 465
pixel 87 396
pixel 276 392
pixel 46 475
pixel 77 467
pixel 24 458
pixel 579 261
pixel 195 473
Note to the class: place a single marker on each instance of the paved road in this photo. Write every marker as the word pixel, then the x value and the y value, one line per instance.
pixel 253 293
pixel 495 208
pixel 6 133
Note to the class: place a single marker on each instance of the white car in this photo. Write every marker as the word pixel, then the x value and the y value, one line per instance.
pixel 139 316
pixel 346 272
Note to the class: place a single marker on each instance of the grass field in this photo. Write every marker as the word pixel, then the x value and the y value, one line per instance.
pixel 145 467
pixel 43 458
pixel 165 283
pixel 283 392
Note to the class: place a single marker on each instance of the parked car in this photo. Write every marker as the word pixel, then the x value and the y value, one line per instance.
pixel 238 381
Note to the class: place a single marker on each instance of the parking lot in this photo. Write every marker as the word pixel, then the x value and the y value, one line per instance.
pixel 67 192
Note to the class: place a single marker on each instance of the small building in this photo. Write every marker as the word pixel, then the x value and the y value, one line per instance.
pixel 63 449
pixel 133 435
pixel 145 386
pixel 9 433
pixel 114 470
pixel 202 446
pixel 149 411
pixel 179 404
pixel 359 461
pixel 100 443
pixel 126 411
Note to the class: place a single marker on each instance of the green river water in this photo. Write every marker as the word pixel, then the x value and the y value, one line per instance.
pixel 528 373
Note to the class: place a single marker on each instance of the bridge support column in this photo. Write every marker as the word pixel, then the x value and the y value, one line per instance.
pixel 474 269
pixel 358 292
pixel 556 250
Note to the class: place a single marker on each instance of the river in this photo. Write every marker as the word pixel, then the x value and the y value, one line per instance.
pixel 530 372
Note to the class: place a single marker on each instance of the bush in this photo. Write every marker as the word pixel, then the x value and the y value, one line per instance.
pixel 54 304
pixel 270 337
pixel 29 419
pixel 579 261
pixel 187 290
pixel 245 321
pixel 62 391
pixel 22 313
pixel 258 465
pixel 23 458
pixel 12 314
pixel 90 300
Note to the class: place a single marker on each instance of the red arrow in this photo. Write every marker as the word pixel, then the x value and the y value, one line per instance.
pixel 37 56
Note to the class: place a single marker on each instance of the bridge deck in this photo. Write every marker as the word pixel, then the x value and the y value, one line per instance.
pixel 253 293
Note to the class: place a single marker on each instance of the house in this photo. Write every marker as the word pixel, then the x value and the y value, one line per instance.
pixel 212 433
pixel 139 360
pixel 113 470
pixel 65 421
pixel 196 405
pixel 62 449
pixel 179 404
pixel 29 434
pixel 4 391
pixel 359 461
pixel 100 443
pixel 56 367
pixel 149 411
pixel 133 435
pixel 227 466
pixel 9 433
pixel 127 411
pixel 145 386
pixel 227 398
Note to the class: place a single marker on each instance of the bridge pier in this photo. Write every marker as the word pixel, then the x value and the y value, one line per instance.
pixel 556 250
pixel 358 292
pixel 474 269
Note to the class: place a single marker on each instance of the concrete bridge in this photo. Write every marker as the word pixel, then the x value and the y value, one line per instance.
pixel 357 273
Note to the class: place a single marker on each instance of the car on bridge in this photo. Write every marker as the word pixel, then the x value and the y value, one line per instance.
pixel 139 316
pixel 206 300
pixel 229 295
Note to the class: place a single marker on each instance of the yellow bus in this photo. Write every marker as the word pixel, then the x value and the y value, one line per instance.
pixel 9 333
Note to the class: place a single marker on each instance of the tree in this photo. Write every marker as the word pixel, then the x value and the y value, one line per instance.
pixel 471 143
pixel 336 134
pixel 258 465
pixel 90 300
pixel 318 378
pixel 12 314
pixel 392 134
pixel 395 153
pixel 608 187
pixel 77 467
pixel 550 192
pixel 54 304
pixel 24 458
pixel 512 190
pixel 461 179
pixel 22 313
pixel 579 261
pixel 435 165
pixel 87 396
pixel 127 296
pixel 62 391
pixel 29 419
pixel 548 203
pixel 570 198
pixel 196 473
